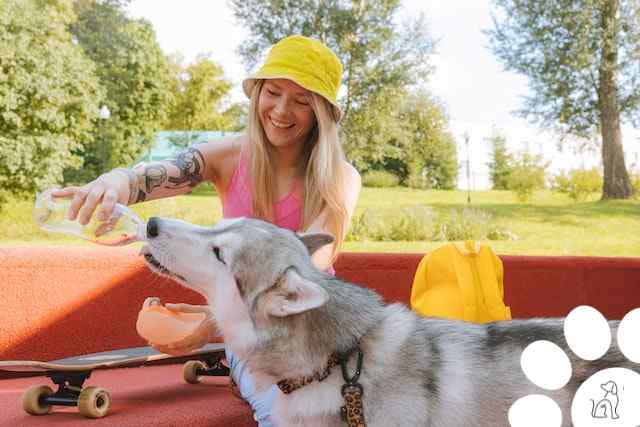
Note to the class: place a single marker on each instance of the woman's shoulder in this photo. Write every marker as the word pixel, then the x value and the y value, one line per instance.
pixel 221 157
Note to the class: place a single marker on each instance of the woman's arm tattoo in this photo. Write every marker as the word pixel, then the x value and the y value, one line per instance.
pixel 155 175
pixel 190 164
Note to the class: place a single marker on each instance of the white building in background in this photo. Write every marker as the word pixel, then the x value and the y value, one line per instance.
pixel 169 143
pixel 570 155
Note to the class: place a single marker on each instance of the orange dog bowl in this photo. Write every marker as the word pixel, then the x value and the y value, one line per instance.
pixel 159 325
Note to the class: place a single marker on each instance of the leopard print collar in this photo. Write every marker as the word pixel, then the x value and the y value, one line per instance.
pixel 292 384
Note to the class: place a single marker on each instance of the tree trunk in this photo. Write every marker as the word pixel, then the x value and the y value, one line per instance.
pixel 616 179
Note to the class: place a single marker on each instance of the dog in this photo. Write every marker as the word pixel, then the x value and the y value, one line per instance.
pixel 289 320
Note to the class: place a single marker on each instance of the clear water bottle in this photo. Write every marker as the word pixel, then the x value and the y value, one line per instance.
pixel 122 228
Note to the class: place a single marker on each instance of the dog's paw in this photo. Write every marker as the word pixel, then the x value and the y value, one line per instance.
pixel 608 398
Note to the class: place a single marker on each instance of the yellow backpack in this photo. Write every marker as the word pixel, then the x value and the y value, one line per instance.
pixel 460 281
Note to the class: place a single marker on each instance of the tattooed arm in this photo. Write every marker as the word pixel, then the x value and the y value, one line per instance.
pixel 167 178
pixel 151 181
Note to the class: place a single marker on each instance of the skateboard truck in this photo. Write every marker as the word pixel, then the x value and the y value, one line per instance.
pixel 92 402
pixel 194 370
pixel 69 388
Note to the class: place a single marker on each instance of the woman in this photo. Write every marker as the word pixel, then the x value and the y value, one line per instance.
pixel 289 169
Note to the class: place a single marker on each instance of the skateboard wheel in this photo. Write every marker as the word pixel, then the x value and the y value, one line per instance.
pixel 190 371
pixel 32 400
pixel 94 402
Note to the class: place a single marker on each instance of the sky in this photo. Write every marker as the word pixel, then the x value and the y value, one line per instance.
pixel 469 80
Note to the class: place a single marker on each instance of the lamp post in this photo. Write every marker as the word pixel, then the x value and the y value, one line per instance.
pixel 104 112
pixel 466 143
pixel 104 115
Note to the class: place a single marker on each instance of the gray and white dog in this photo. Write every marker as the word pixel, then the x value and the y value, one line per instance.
pixel 286 319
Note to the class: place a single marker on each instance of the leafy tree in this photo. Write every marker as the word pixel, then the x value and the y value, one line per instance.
pixel 199 92
pixel 404 133
pixel 582 58
pixel 136 77
pixel 381 58
pixel 432 155
pixel 49 95
pixel 377 134
pixel 500 164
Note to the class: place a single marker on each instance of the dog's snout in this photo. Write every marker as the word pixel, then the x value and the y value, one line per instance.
pixel 152 227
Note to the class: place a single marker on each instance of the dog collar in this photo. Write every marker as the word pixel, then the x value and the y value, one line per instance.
pixel 352 412
pixel 292 384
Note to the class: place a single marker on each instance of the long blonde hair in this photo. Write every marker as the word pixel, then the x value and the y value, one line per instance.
pixel 322 166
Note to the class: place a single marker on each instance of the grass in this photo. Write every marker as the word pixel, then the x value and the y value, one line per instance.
pixel 552 224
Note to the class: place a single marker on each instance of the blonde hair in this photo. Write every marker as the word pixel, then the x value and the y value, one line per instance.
pixel 321 164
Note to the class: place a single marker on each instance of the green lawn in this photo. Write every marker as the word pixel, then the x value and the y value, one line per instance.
pixel 551 224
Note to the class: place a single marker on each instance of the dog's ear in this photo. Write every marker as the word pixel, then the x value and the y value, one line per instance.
pixel 314 241
pixel 294 295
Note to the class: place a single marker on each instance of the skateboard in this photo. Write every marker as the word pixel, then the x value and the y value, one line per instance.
pixel 69 375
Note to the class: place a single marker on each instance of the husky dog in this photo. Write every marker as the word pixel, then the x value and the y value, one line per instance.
pixel 287 319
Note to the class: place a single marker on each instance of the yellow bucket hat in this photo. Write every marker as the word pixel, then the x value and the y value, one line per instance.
pixel 305 61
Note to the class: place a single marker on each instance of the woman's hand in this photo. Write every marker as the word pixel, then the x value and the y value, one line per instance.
pixel 108 189
pixel 201 336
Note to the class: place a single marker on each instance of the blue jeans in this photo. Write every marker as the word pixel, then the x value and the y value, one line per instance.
pixel 261 403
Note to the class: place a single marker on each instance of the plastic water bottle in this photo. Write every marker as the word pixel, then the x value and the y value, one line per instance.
pixel 122 228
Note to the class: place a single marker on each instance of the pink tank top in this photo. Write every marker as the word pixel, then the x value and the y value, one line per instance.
pixel 237 200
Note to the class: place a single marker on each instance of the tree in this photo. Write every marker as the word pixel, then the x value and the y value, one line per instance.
pixel 582 58
pixel 199 92
pixel 136 77
pixel 49 95
pixel 381 57
pixel 377 134
pixel 432 154
pixel 499 166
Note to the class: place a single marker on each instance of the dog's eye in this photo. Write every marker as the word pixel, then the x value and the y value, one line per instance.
pixel 216 251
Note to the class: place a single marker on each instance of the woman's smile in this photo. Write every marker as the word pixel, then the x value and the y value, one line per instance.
pixel 281 124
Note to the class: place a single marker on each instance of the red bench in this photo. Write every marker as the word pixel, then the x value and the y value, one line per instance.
pixel 62 301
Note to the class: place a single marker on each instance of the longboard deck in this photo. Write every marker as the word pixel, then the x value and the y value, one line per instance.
pixel 109 359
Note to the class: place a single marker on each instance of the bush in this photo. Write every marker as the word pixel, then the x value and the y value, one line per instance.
pixel 578 184
pixel 561 183
pixel 461 224
pixel 499 233
pixel 359 228
pixel 420 223
pixel 380 179
pixel 527 176
pixel 413 224
pixel 407 224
